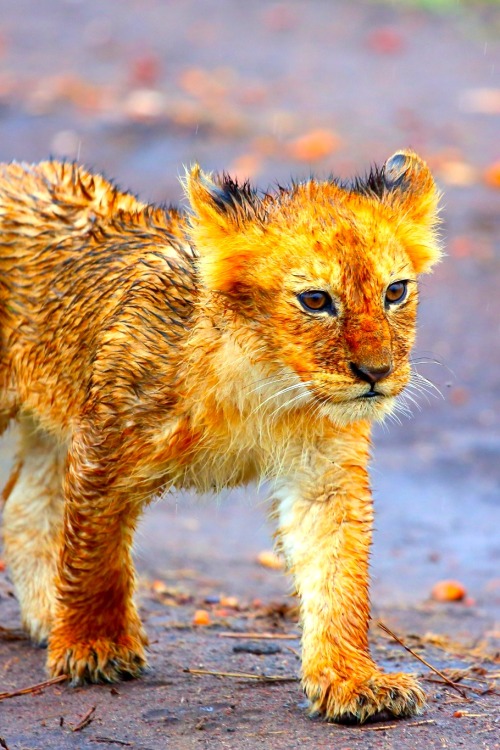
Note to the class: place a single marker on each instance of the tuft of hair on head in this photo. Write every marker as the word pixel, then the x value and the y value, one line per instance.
pixel 221 199
pixel 405 182
pixel 221 211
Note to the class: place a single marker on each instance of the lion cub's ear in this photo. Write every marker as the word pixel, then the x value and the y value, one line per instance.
pixel 412 191
pixel 221 211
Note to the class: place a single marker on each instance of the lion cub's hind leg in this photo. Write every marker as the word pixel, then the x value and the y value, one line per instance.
pixel 32 523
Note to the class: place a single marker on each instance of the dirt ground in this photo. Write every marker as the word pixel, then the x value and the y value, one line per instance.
pixel 139 88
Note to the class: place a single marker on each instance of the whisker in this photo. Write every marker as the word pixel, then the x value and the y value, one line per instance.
pixel 430 359
pixel 264 382
pixel 281 392
pixel 418 391
pixel 413 400
pixel 400 407
pixel 383 421
pixel 426 360
pixel 412 393
pixel 313 409
pixel 288 403
pixel 393 417
pixel 426 384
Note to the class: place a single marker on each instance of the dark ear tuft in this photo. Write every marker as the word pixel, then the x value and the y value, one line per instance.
pixel 227 193
pixel 221 199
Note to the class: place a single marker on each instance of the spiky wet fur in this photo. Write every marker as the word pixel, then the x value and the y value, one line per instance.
pixel 144 349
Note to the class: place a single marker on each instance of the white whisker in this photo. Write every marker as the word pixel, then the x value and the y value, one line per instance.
pixel 281 392
pixel 271 381
pixel 288 403
pixel 393 417
pixel 408 396
pixel 426 384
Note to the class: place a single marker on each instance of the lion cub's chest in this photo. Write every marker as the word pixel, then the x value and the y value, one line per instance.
pixel 210 471
pixel 208 458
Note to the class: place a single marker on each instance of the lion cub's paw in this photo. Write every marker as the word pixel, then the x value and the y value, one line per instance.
pixel 356 700
pixel 99 660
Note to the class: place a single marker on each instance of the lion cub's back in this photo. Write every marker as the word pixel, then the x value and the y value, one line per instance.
pixel 72 246
pixel 67 182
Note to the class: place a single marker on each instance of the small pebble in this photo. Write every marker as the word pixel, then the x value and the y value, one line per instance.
pixel 214 599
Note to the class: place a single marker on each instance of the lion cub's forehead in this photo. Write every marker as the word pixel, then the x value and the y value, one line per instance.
pixel 327 234
pixel 324 204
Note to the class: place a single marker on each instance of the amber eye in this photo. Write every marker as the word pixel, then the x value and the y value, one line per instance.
pixel 396 292
pixel 317 301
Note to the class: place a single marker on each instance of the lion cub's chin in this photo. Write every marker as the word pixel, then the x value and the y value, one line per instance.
pixel 371 409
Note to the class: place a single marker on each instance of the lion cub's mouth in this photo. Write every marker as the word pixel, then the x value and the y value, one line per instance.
pixel 347 398
pixel 371 394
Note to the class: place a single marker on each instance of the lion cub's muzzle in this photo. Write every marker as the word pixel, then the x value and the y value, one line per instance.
pixel 371 374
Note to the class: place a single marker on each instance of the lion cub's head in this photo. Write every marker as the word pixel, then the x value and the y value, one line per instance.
pixel 318 282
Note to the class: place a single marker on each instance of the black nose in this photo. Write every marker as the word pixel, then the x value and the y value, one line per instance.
pixel 370 375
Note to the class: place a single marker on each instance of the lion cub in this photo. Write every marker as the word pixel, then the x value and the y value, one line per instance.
pixel 255 336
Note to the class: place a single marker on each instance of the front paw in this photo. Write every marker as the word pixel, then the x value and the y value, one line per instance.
pixel 97 659
pixel 358 699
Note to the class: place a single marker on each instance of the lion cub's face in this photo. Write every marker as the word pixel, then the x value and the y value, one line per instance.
pixel 325 277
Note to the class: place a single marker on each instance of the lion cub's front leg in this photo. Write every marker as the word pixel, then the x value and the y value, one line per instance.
pixel 325 530
pixel 97 634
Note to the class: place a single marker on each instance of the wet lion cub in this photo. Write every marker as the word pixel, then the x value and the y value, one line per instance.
pixel 255 336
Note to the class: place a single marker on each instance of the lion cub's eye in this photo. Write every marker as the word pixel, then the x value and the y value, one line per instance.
pixel 396 292
pixel 317 301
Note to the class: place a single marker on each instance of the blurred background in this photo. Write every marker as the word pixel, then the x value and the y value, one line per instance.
pixel 139 88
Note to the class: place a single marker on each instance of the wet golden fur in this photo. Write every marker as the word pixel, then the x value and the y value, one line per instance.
pixel 144 349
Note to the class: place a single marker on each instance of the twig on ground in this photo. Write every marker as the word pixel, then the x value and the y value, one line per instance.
pixel 471 674
pixel 33 688
pixel 419 658
pixel 110 741
pixel 490 690
pixel 394 726
pixel 243 675
pixel 266 636
pixel 3 744
pixel 476 716
pixel 85 720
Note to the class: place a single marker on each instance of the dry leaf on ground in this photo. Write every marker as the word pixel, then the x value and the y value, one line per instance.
pixel 448 591
pixel 201 617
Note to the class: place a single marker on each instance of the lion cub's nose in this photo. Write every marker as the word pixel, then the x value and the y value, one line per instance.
pixel 369 374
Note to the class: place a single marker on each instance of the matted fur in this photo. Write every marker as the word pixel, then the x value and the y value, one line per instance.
pixel 144 349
